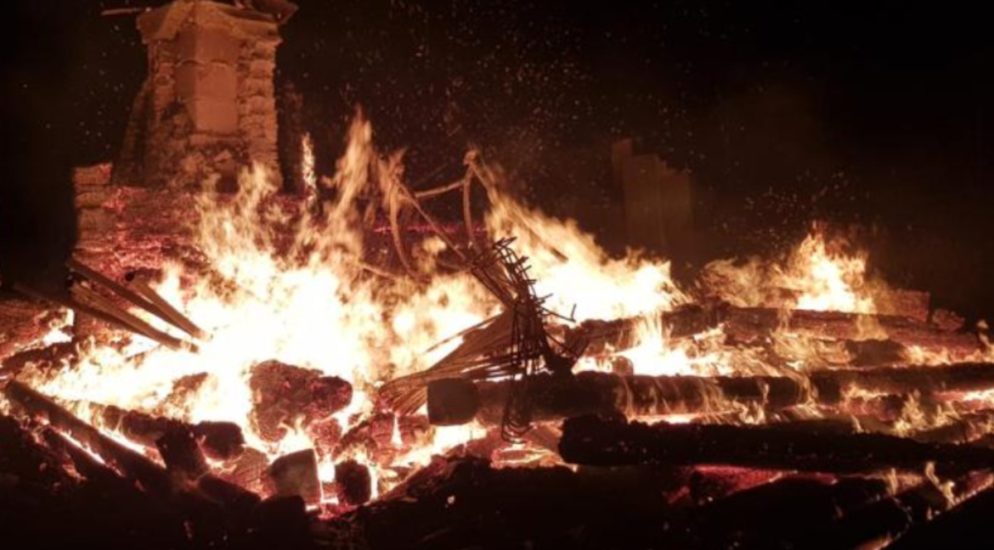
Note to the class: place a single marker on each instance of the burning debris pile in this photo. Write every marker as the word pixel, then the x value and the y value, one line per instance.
pixel 317 374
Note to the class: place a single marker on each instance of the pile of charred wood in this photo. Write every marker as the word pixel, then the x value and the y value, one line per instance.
pixel 864 449
pixel 866 442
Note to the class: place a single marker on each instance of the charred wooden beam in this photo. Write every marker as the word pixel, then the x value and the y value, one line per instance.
pixel 465 503
pixel 45 358
pixel 963 377
pixel 457 401
pixel 965 429
pixel 888 518
pixel 27 460
pixel 751 324
pixel 166 310
pixel 22 323
pixel 91 505
pixel 219 440
pixel 133 465
pixel 969 523
pixel 755 324
pixel 597 441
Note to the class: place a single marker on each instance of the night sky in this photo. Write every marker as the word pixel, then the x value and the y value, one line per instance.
pixel 876 113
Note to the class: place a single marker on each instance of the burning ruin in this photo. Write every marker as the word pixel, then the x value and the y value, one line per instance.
pixel 241 366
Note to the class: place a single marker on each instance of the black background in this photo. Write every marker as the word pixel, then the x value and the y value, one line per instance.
pixel 870 112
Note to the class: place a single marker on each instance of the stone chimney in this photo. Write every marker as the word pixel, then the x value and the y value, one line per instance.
pixel 207 108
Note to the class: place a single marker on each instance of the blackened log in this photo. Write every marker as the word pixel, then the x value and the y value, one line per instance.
pixel 297 474
pixel 355 485
pixel 152 477
pixel 384 434
pixel 707 484
pixel 965 429
pixel 779 513
pixel 621 333
pixel 219 440
pixel 166 311
pixel 755 324
pixel 889 517
pixel 874 352
pixel 94 506
pixel 968 525
pixel 554 397
pixel 284 395
pixel 44 359
pixel 24 458
pixel 182 455
pixel 597 441
pixel 472 505
pixel 962 377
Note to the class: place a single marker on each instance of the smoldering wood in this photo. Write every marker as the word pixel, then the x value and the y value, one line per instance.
pixel 235 500
pixel 142 297
pixel 131 464
pixel 181 453
pixel 963 377
pixel 969 522
pixel 466 503
pixel 119 319
pixel 965 429
pixel 376 435
pixel 777 514
pixel 891 516
pixel 90 505
pixel 296 474
pixel 25 458
pixel 874 352
pixel 604 442
pixel 219 440
pixel 248 470
pixel 456 401
pixel 751 324
pixel 45 358
pixel 23 322
pixel 166 310
pixel 755 324
pixel 96 301
pixel 283 395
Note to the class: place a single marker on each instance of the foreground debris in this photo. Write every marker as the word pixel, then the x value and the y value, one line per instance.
pixel 604 442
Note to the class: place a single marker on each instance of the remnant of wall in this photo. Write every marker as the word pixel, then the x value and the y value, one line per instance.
pixel 207 108
pixel 658 200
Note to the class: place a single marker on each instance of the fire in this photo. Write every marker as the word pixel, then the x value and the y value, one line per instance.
pixel 290 286
pixel 827 281
pixel 813 277
pixel 570 267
